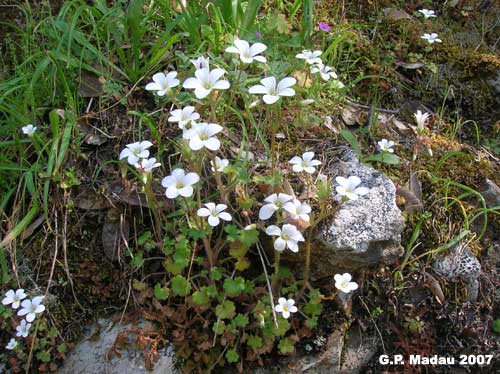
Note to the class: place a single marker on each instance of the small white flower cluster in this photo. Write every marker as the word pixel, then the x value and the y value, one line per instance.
pixel 29 130
pixel 317 66
pixel 137 155
pixel 432 37
pixel 29 308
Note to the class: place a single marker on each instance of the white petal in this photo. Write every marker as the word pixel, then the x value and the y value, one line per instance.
pixel 293 246
pixel 186 191
pixel 203 212
pixel 153 87
pixel 195 143
pixel 213 221
pixel 273 230
pixel 191 178
pixel 266 212
pixel 286 92
pixel 232 49
pixel 191 83
pixel 279 244
pixel 269 83
pixel 172 192
pixel 225 216
pixel 286 82
pixel 212 143
pixel 270 99
pixel 221 85
pixel 361 191
pixel 257 48
pixel 342 181
pixel 201 92
pixel 258 89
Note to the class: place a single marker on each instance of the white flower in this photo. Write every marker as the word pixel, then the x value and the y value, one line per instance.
pixel 325 71
pixel 337 85
pixel 431 38
pixel 307 102
pixel 12 344
pixel 273 91
pixel 30 308
pixel 23 329
pixel 147 165
pixel 386 145
pixel 201 63
pixel 311 57
pixel 14 298
pixel 421 118
pixel 203 135
pixel 220 164
pixel 349 187
pixel 298 210
pixel 214 213
pixel 179 183
pixel 29 130
pixel 304 163
pixel 135 151
pixel 253 104
pixel 205 81
pixel 183 116
pixel 321 178
pixel 428 13
pixel 248 53
pixel 285 307
pixel 344 284
pixel 274 202
pixel 163 83
pixel 288 236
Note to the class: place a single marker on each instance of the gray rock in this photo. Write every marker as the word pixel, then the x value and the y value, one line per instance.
pixel 358 351
pixel 89 356
pixel 460 263
pixel 363 232
pixel 491 192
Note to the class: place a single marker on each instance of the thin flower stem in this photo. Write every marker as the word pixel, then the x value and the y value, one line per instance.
pixel 199 225
pixel 277 256
pixel 218 179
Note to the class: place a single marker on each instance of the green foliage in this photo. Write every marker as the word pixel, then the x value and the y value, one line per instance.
pixel 234 287
pixel 232 356
pixel 160 293
pixel 254 342
pixel 286 346
pixel 496 326
pixel 226 310
pixel 181 286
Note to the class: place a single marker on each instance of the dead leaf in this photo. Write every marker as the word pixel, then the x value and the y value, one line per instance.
pixel 415 186
pixel 88 199
pixel 303 78
pixel 433 285
pixel 115 228
pixel 351 116
pixel 90 85
pixel 394 14
pixel 412 203
pixel 410 65
pixel 400 125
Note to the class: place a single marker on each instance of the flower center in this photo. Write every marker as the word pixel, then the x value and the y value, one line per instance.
pixel 179 185
pixel 204 136
pixel 285 237
pixel 214 213
pixel 286 308
pixel 207 85
pixel 304 164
